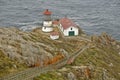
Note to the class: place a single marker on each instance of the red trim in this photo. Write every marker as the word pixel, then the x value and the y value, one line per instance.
pixel 47 12
pixel 54 33
pixel 66 23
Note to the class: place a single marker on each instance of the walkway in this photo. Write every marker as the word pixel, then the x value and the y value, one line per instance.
pixel 30 73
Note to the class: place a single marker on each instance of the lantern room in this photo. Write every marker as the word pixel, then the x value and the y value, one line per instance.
pixel 47 15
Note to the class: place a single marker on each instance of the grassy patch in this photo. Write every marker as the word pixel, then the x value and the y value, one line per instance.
pixel 101 58
pixel 50 76
pixel 8 66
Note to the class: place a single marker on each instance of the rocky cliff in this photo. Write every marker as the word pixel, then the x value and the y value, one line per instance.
pixel 33 47
pixel 20 50
pixel 101 61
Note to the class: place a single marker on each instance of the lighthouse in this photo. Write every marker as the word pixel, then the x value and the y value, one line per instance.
pixel 47 21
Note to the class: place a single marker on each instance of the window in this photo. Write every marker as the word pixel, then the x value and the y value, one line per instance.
pixel 71 28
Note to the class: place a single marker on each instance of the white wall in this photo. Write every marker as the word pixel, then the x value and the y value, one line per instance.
pixel 47 29
pixel 66 32
pixel 61 27
pixel 54 37
pixel 47 23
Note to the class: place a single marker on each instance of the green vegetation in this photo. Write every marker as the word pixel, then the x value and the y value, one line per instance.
pixel 25 46
pixel 103 55
pixel 104 58
pixel 50 76
pixel 104 63
pixel 8 66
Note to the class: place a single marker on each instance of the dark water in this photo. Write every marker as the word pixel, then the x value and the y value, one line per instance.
pixel 94 16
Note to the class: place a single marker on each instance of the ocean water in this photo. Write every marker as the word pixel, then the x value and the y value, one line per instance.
pixel 93 16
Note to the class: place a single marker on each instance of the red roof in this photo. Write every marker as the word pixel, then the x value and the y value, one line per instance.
pixel 66 23
pixel 54 33
pixel 55 22
pixel 47 12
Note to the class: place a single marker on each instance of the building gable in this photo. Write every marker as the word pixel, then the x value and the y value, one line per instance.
pixel 66 23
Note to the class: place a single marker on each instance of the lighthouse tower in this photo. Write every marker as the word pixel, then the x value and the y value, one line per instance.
pixel 47 22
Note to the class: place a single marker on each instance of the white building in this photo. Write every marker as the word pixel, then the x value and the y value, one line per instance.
pixel 68 27
pixel 47 22
pixel 54 35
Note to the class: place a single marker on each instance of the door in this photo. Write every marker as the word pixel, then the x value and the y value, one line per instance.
pixel 71 33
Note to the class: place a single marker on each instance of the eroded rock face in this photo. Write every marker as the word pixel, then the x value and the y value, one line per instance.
pixel 34 46
pixel 104 39
pixel 21 46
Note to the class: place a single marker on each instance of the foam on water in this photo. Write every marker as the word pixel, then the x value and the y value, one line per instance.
pixel 28 28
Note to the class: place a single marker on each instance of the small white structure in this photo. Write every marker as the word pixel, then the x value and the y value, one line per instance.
pixel 68 27
pixel 47 23
pixel 54 35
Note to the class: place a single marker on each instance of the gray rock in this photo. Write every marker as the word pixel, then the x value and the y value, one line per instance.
pixel 71 76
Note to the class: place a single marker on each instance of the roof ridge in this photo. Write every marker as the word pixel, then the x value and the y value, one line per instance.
pixel 66 23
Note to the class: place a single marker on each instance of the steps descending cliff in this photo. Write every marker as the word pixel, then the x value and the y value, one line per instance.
pixel 20 50
pixel 34 47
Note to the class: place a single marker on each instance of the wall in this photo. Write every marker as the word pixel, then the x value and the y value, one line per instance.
pixel 54 37
pixel 66 32
pixel 47 23
pixel 47 29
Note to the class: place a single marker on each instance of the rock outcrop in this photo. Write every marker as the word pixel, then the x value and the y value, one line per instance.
pixel 17 45
pixel 32 47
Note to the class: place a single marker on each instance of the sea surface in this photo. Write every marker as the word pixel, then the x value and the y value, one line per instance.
pixel 93 16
